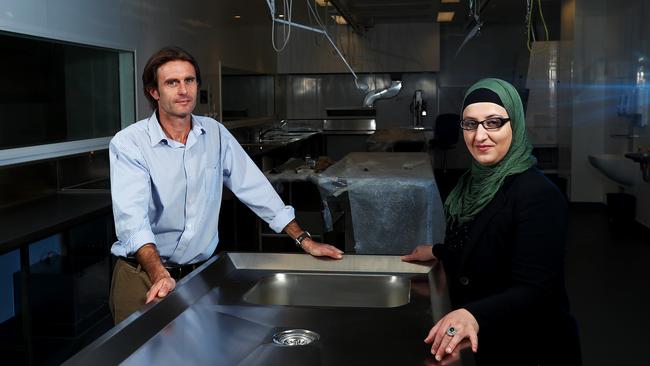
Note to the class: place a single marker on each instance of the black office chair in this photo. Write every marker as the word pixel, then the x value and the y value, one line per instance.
pixel 445 134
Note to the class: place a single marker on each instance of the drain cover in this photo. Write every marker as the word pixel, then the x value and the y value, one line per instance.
pixel 295 337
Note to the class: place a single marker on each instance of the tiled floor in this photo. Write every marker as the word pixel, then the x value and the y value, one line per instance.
pixel 608 281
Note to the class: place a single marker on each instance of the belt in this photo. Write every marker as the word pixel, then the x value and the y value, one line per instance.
pixel 176 271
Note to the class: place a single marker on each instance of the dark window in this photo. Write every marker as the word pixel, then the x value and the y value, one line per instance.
pixel 56 92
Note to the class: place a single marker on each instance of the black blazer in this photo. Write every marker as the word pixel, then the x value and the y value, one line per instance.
pixel 510 275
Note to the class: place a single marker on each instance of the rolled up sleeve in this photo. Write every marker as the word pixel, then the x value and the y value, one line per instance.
pixel 131 192
pixel 249 184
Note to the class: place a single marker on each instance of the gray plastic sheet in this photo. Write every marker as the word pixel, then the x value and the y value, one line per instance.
pixel 393 197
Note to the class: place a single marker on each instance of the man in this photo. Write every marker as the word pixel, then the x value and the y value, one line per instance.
pixel 167 174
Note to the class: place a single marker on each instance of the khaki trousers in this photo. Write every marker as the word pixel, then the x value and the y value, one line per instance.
pixel 129 287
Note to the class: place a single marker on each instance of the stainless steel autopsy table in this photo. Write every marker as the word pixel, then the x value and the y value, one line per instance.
pixel 284 309
pixel 393 197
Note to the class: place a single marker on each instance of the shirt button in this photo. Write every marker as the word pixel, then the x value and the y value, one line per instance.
pixel 464 281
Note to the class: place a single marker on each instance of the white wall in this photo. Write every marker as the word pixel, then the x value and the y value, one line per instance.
pixel 204 28
pixel 588 100
pixel 609 36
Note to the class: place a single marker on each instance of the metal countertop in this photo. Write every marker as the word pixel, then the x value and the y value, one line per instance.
pixel 207 320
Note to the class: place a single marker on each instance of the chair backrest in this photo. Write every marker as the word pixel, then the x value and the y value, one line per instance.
pixel 446 130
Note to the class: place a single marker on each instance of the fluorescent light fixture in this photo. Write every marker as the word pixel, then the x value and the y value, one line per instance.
pixel 449 1
pixel 445 16
pixel 339 19
pixel 281 15
pixel 323 2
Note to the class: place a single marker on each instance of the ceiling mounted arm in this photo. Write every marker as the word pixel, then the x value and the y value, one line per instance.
pixel 323 31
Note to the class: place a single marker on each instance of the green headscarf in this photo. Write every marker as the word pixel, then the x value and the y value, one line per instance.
pixel 478 186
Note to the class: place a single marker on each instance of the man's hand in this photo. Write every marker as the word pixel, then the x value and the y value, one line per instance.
pixel 150 262
pixel 160 288
pixel 321 250
pixel 309 245
pixel 421 253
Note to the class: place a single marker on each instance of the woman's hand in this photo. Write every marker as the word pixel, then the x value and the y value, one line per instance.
pixel 421 253
pixel 462 324
pixel 452 359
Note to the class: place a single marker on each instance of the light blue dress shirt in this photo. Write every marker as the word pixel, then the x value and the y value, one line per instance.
pixel 169 194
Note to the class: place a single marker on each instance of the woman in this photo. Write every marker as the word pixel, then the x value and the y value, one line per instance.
pixel 504 248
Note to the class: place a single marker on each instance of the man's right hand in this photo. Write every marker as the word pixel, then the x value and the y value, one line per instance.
pixel 421 253
pixel 150 261
pixel 160 288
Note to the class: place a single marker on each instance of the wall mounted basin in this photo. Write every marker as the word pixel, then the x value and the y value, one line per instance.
pixel 615 167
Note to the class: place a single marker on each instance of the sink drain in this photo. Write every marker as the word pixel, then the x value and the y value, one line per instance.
pixel 295 337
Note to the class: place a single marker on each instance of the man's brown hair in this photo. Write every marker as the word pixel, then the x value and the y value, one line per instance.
pixel 163 56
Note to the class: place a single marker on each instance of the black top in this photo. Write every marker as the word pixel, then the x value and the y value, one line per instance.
pixel 508 271
pixel 35 220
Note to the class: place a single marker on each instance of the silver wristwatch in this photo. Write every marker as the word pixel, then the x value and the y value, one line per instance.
pixel 301 237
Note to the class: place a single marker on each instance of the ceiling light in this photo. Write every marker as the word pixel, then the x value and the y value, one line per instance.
pixel 445 16
pixel 281 15
pixel 323 2
pixel 236 17
pixel 450 1
pixel 339 19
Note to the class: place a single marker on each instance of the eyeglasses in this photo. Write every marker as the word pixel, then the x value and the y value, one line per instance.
pixel 489 124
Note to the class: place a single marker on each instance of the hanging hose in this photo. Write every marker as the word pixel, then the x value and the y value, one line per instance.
pixel 322 30
pixel 541 15
pixel 529 22
pixel 530 32
pixel 286 34
pixel 361 86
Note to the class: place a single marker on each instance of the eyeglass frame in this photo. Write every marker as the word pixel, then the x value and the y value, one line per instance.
pixel 482 123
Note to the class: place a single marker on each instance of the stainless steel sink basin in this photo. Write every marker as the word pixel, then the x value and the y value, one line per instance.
pixel 333 289
pixel 247 309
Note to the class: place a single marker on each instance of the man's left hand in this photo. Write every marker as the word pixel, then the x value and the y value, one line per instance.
pixel 321 250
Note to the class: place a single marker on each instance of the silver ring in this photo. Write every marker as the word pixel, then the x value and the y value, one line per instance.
pixel 451 331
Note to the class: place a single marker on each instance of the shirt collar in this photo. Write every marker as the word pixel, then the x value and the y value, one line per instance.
pixel 156 133
pixel 197 126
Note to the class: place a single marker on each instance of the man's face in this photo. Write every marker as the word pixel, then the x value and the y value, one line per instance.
pixel 177 89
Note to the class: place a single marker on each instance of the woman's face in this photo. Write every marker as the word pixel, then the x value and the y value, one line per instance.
pixel 488 147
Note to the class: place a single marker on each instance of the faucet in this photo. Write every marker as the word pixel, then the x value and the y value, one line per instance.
pixel 375 94
pixel 261 132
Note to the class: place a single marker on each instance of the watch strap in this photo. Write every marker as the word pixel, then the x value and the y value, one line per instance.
pixel 302 237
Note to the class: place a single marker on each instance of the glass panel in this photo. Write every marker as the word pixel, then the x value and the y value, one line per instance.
pixel 246 94
pixel 57 92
